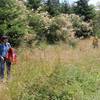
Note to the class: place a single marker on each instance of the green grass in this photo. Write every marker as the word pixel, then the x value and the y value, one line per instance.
pixel 54 73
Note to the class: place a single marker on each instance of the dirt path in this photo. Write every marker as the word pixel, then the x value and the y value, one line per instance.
pixel 4 92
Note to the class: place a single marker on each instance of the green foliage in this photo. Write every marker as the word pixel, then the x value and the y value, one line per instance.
pixel 34 4
pixel 37 24
pixel 16 32
pixel 49 30
pixel 63 84
pixel 7 13
pixel 56 32
pixel 82 8
pixel 66 8
pixel 58 28
pixel 97 24
pixel 11 21
pixel 81 28
pixel 53 9
pixel 52 27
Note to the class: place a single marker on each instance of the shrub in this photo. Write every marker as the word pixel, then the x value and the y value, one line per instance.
pixel 81 28
pixel 59 29
pixel 37 24
pixel 12 22
pixel 49 29
pixel 16 33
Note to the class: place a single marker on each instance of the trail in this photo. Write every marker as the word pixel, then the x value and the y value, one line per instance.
pixel 4 91
pixel 2 87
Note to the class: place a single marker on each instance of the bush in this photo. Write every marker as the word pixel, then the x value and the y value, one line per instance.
pixel 81 28
pixel 49 29
pixel 37 24
pixel 16 33
pixel 56 29
pixel 59 29
pixel 12 22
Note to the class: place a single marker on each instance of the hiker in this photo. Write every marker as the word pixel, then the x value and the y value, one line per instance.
pixel 4 47
pixel 95 42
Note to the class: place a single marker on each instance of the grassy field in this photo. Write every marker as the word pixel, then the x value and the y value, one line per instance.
pixel 55 72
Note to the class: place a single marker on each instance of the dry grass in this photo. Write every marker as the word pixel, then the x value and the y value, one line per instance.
pixel 40 63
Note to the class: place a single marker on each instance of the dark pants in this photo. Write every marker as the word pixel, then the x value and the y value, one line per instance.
pixel 2 68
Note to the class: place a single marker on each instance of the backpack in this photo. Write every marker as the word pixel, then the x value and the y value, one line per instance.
pixel 11 56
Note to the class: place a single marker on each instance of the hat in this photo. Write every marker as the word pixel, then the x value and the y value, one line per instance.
pixel 4 37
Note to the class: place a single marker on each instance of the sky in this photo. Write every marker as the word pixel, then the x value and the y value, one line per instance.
pixel 94 2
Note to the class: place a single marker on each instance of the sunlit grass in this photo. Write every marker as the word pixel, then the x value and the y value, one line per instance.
pixel 54 73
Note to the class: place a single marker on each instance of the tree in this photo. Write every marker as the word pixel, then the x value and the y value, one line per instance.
pixel 11 22
pixel 97 21
pixel 66 8
pixel 82 8
pixel 34 4
pixel 53 8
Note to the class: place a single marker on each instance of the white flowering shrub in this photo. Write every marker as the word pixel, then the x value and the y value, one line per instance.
pixel 59 28
pixel 81 28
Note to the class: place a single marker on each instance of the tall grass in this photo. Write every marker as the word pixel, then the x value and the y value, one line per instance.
pixel 54 73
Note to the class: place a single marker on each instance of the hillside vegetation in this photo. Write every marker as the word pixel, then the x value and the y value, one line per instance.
pixel 45 22
pixel 55 56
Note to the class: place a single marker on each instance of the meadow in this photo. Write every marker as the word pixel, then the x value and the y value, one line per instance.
pixel 58 72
